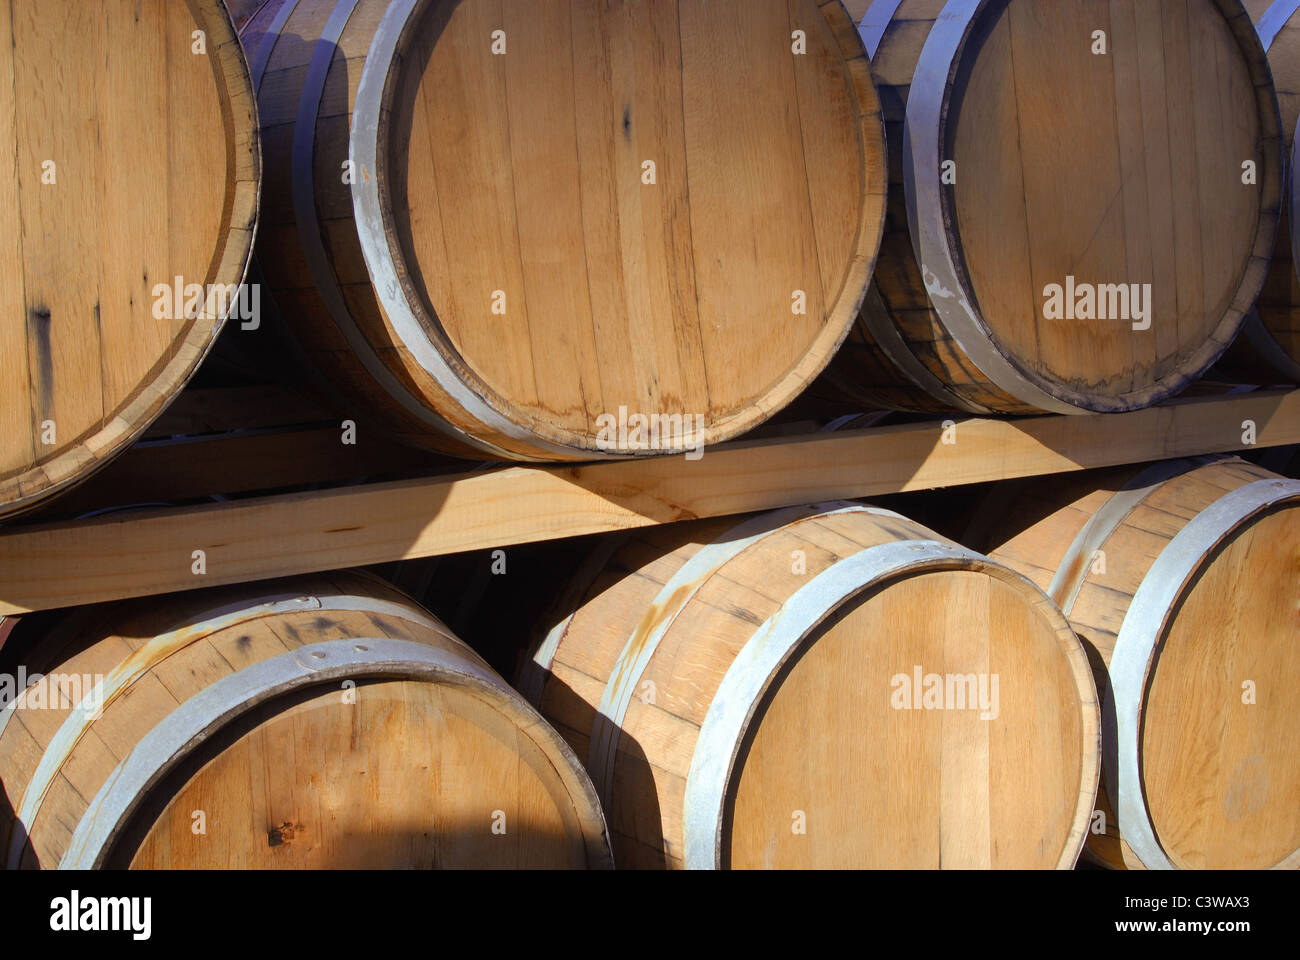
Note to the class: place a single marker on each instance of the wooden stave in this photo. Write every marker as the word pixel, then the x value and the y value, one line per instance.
pixel 23 492
pixel 966 385
pixel 437 657
pixel 705 797
pixel 438 401
pixel 297 264
pixel 1091 511
pixel 1278 17
pixel 1257 355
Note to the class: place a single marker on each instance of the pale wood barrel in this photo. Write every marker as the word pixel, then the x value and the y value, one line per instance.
pixel 736 687
pixel 1080 170
pixel 131 158
pixel 307 723
pixel 1181 580
pixel 241 11
pixel 1268 348
pixel 500 278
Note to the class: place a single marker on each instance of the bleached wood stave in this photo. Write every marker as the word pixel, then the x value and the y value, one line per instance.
pixel 325 722
pixel 1269 345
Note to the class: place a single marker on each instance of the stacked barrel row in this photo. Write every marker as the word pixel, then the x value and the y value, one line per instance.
pixel 829 685
pixel 735 688
pixel 489 247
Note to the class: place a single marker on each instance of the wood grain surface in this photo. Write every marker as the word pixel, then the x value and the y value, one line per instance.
pixel 151 551
pixel 132 160
pixel 832 772
pixel 665 208
pixel 388 772
pixel 1115 167
pixel 1220 784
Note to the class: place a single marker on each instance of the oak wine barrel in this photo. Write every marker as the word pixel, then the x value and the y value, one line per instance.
pixel 1082 204
pixel 241 11
pixel 1180 578
pixel 513 229
pixel 128 203
pixel 765 693
pixel 306 723
pixel 1268 348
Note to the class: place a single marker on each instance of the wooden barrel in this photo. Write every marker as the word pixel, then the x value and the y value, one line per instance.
pixel 241 11
pixel 1268 348
pixel 1042 190
pixel 762 693
pixel 513 229
pixel 1180 578
pixel 307 723
pixel 125 170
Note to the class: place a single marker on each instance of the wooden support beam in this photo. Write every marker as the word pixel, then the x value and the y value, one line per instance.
pixel 44 566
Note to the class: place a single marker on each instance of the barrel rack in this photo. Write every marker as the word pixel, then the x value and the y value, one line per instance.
pixel 373 502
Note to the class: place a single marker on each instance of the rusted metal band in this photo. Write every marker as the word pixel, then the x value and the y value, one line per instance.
pixel 532 677
pixel 751 673
pixel 166 745
pixel 46 656
pixel 680 589
pixel 1073 569
pixel 1144 625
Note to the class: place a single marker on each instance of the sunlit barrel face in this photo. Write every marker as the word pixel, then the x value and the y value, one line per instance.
pixel 1109 184
pixel 1083 202
pixel 1220 727
pixel 662 208
pixel 127 200
pixel 933 723
pixel 375 775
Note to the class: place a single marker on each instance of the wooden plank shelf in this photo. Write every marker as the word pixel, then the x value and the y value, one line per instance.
pixel 45 565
